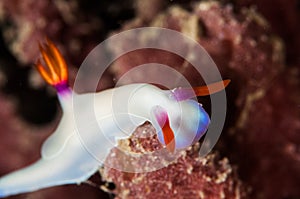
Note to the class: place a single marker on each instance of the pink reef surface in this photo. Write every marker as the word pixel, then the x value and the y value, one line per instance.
pixel 254 43
pixel 189 176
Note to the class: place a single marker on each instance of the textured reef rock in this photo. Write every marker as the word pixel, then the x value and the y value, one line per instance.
pixel 264 136
pixel 267 137
pixel 235 42
pixel 284 18
pixel 189 176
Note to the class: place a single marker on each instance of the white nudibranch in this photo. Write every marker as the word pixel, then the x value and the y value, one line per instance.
pixel 179 122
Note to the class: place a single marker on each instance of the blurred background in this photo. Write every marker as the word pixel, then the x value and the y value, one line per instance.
pixel 255 43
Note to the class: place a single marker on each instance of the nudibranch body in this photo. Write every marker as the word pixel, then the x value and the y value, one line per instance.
pixel 178 120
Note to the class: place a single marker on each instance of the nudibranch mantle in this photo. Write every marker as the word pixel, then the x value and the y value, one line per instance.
pixel 179 122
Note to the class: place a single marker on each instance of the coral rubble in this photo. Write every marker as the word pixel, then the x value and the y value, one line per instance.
pixel 190 176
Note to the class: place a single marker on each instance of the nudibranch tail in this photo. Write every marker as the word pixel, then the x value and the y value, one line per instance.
pixel 188 93
pixel 55 73
pixel 71 166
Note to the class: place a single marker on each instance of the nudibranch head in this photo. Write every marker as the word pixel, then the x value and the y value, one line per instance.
pixel 181 129
pixel 56 72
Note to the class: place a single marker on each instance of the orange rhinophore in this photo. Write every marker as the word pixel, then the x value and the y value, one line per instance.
pixel 182 94
pixel 55 73
pixel 211 88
